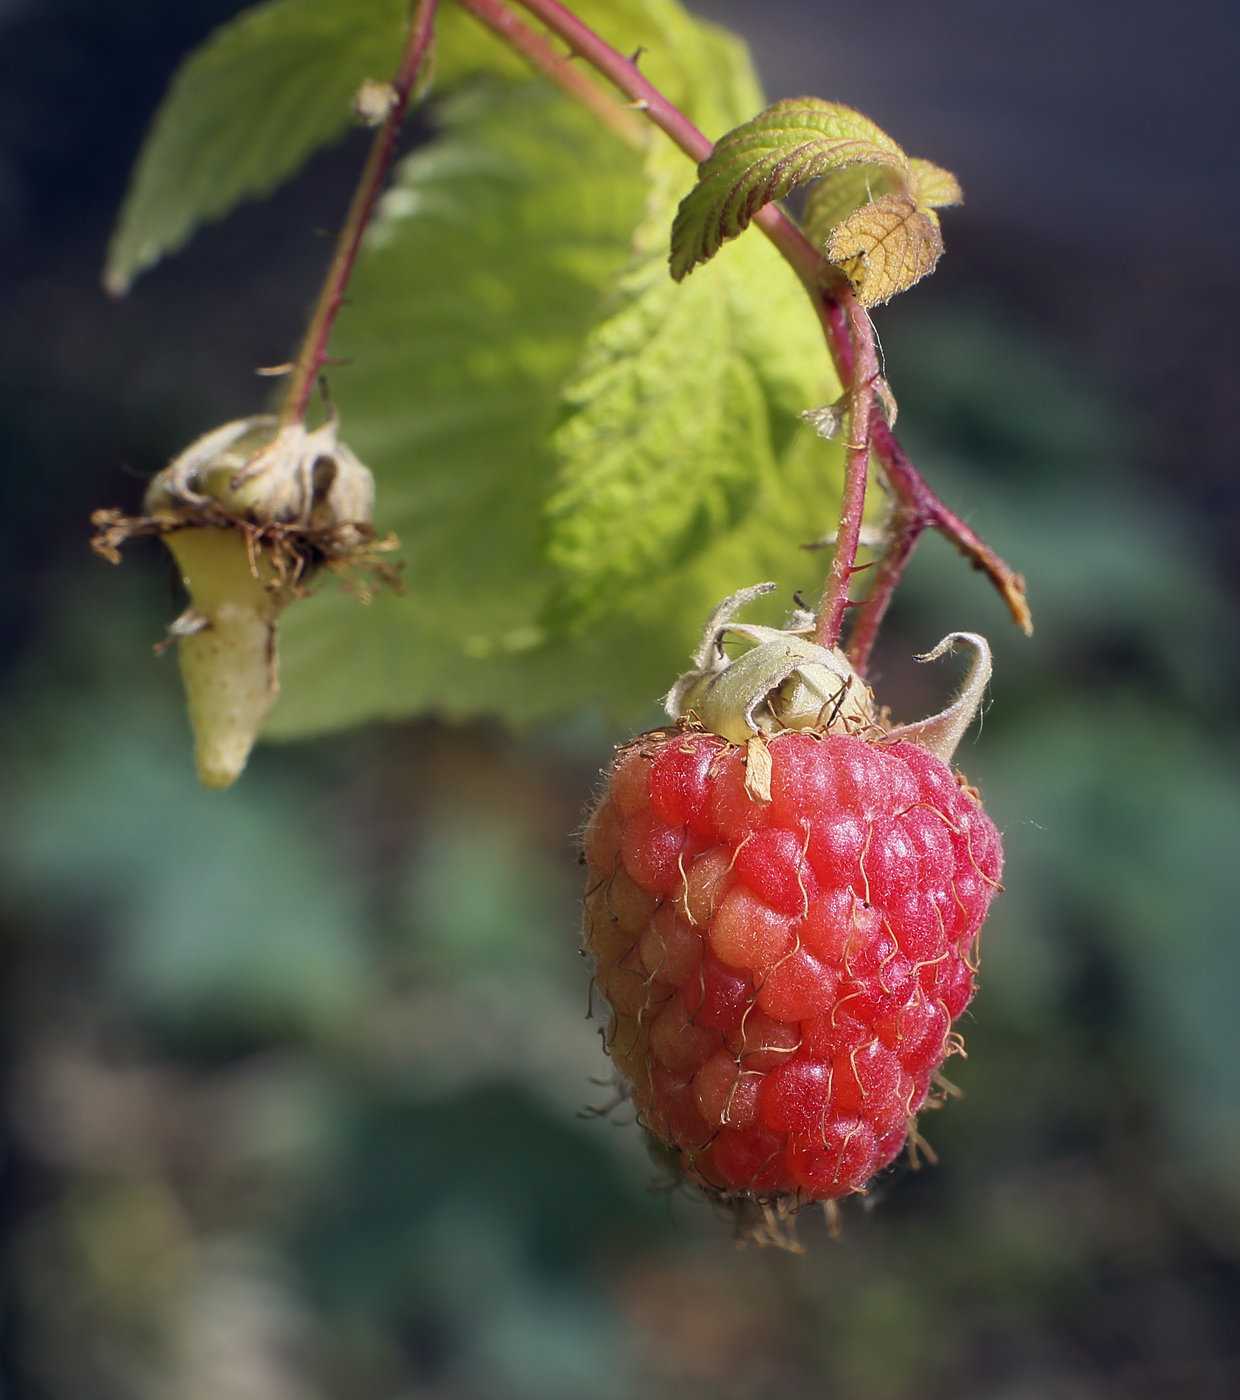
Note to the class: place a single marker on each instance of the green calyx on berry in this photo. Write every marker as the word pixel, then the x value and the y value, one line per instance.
pixel 787 681
pixel 250 511
pixel 941 733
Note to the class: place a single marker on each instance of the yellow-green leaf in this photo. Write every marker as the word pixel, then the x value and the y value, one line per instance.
pixel 674 415
pixel 243 112
pixel 932 186
pixel 249 106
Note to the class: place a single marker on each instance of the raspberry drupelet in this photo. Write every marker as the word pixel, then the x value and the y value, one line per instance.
pixel 784 925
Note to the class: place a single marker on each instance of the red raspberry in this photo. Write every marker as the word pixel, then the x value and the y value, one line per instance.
pixel 783 974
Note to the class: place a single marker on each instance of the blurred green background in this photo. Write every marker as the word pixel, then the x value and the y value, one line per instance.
pixel 293 1075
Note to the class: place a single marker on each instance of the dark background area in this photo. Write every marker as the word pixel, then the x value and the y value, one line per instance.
pixel 342 1158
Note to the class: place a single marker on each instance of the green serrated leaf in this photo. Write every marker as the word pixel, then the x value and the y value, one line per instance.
pixel 490 264
pixel 265 91
pixel 494 255
pixel 664 440
pixel 667 428
pixel 483 273
pixel 664 428
pixel 248 107
pixel 243 112
pixel 789 144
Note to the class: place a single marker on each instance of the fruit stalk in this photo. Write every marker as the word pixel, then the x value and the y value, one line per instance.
pixel 313 354
pixel 906 528
pixel 856 475
pixel 918 508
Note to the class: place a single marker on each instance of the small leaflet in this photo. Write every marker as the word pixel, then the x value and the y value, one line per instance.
pixel 885 247
pixel 828 421
pixel 840 192
pixel 789 144
pixel 870 206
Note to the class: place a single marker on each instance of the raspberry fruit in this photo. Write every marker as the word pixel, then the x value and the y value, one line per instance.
pixel 784 905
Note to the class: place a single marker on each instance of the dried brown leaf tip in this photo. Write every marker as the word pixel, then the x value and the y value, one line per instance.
pixel 878 225
pixel 885 246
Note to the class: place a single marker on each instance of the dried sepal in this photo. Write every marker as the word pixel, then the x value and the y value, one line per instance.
pixel 265 474
pixel 941 734
pixel 786 681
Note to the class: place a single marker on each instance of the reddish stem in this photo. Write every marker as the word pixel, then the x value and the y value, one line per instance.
pixel 313 354
pixel 540 52
pixel 583 42
pixel 800 254
pixel 856 473
pixel 907 527
pixel 917 506
pixel 917 509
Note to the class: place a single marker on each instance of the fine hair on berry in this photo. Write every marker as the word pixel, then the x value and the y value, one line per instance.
pixel 784 964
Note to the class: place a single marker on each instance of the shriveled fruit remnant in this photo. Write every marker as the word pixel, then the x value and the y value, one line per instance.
pixel 250 512
pixel 784 959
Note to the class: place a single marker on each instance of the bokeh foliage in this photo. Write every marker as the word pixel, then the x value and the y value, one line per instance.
pixel 293 1072
pixel 354 976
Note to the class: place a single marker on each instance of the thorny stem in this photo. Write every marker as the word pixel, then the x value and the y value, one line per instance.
pixel 313 354
pixel 541 53
pixel 847 332
pixel 906 529
pixel 918 508
pixel 856 474
pixel 583 42
pixel 805 260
